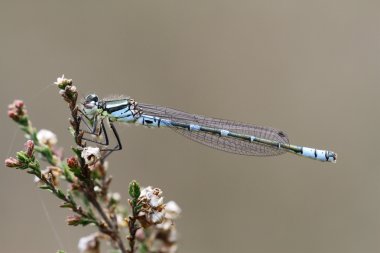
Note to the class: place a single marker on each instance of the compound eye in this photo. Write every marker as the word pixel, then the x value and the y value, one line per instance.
pixel 92 98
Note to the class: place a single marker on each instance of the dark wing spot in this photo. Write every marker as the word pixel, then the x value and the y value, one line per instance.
pixel 282 134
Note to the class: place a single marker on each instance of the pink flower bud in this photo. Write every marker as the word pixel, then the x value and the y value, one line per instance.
pixel 16 110
pixel 18 104
pixel 73 220
pixel 140 235
pixel 12 162
pixel 72 162
pixel 12 114
pixel 29 145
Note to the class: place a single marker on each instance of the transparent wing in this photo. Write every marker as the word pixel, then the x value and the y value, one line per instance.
pixel 228 144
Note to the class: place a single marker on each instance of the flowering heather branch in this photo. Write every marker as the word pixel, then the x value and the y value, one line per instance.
pixel 150 223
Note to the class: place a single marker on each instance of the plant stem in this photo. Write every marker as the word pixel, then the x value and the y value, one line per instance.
pixel 132 228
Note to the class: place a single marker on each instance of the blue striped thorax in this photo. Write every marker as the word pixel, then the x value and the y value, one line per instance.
pixel 124 110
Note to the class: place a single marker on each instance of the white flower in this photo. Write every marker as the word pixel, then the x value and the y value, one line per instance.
pixel 89 244
pixel 47 138
pixel 36 180
pixel 62 82
pixel 73 88
pixel 172 210
pixel 97 189
pixel 121 221
pixel 116 196
pixel 91 155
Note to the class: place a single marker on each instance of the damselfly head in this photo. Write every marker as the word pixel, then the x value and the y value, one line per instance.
pixel 91 104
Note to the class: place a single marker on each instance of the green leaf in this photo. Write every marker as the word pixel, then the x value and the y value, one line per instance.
pixel 60 194
pixel 35 166
pixel 22 157
pixel 72 131
pixel 67 173
pixel 71 199
pixel 76 171
pixel 95 175
pixel 143 248
pixel 48 154
pixel 85 221
pixel 85 200
pixel 33 136
pixel 60 251
pixel 45 187
pixel 66 205
pixel 91 214
pixel 138 207
pixel 134 190
pixel 70 196
pixel 77 151
pixel 24 121
pixel 45 152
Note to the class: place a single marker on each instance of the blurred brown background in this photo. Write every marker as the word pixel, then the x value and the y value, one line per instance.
pixel 310 68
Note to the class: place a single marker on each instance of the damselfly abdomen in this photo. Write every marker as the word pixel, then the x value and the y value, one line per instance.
pixel 226 135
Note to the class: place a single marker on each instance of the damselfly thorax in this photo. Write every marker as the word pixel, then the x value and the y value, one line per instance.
pixel 226 135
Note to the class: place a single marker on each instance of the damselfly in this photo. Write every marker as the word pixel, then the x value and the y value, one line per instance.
pixel 230 136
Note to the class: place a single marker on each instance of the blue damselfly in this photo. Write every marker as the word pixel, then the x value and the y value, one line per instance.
pixel 226 135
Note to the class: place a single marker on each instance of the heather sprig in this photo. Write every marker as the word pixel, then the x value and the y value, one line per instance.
pixel 84 172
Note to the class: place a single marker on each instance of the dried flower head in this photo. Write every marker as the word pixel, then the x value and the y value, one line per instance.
pixel 152 210
pixel 51 174
pixel 158 243
pixel 91 155
pixel 153 196
pixel 164 235
pixel 89 244
pixel 47 138
pixel 169 248
pixel 172 212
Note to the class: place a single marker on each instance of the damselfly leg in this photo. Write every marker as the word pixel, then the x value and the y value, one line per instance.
pixel 97 128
